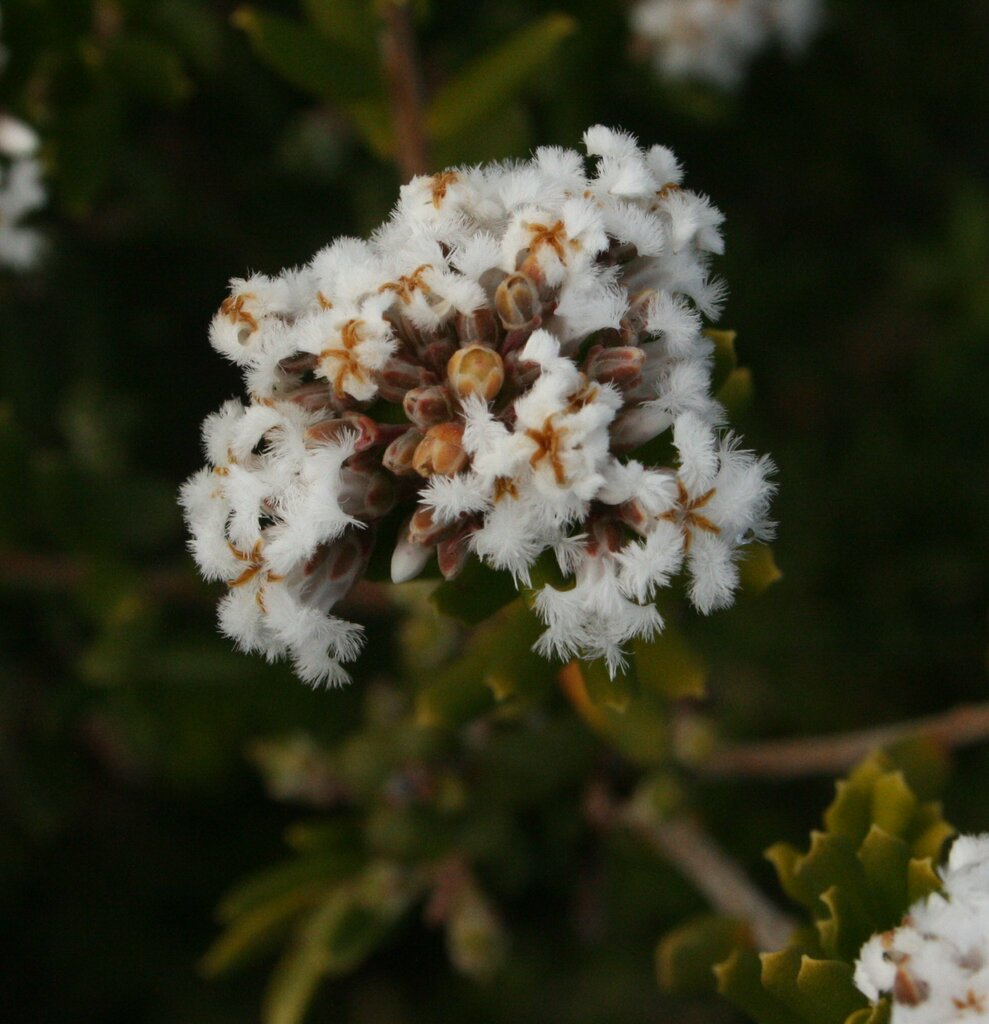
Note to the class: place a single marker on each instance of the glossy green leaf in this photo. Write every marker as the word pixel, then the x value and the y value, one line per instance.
pixel 495 77
pixel 885 860
pixel 669 666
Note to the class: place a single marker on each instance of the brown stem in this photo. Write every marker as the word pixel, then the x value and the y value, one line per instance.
pixel 401 65
pixel 719 878
pixel 831 755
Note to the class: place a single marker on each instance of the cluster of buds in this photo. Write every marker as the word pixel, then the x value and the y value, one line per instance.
pixel 714 40
pixel 21 192
pixel 934 968
pixel 474 382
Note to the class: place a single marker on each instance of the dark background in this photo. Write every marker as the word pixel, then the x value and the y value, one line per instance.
pixel 854 183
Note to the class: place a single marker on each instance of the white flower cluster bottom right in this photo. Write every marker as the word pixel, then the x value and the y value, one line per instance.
pixel 935 966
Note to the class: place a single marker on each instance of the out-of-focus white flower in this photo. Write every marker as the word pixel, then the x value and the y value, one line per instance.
pixel 21 192
pixel 472 383
pixel 935 966
pixel 714 40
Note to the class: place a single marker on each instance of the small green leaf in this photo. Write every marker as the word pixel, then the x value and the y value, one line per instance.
pixel 725 356
pixel 669 666
pixel 736 392
pixel 476 594
pixel 686 957
pixel 758 569
pixel 606 690
pixel 495 78
pixel 499 660
pixel 256 932
pixel 273 883
pixel 304 58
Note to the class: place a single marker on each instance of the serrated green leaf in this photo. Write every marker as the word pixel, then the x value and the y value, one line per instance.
pixel 351 23
pixel 495 77
pixel 848 924
pixel 304 58
pixel 828 988
pixel 893 803
pixel 739 980
pixel 785 858
pixel 885 859
pixel 686 957
pixel 922 879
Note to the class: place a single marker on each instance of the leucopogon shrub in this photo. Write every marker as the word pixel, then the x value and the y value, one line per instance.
pixel 476 381
pixel 714 40
pixel 21 191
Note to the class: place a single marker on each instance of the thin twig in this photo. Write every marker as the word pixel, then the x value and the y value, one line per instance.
pixel 401 65
pixel 719 878
pixel 57 574
pixel 831 755
pixel 711 870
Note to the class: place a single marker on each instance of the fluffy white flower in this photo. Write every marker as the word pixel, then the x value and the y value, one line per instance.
pixel 21 191
pixel 475 377
pixel 713 40
pixel 935 966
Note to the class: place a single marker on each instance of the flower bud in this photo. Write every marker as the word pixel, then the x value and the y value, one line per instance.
pixel 366 494
pixel 453 553
pixel 425 530
pixel 619 366
pixel 517 301
pixel 441 451
pixel 476 371
pixel 426 407
pixel 298 364
pixel 397 457
pixel 408 559
pixel 634 322
pixel 478 328
pixel 399 376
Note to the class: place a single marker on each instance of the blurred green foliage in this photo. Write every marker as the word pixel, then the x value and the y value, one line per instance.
pixel 188 141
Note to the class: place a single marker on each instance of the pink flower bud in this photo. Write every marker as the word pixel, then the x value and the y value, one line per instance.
pixel 399 454
pixel 426 407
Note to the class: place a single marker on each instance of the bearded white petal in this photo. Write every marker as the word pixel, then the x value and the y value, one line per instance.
pixel 713 572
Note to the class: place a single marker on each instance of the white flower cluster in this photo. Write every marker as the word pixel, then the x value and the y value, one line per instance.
pixel 476 378
pixel 21 192
pixel 935 966
pixel 714 40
